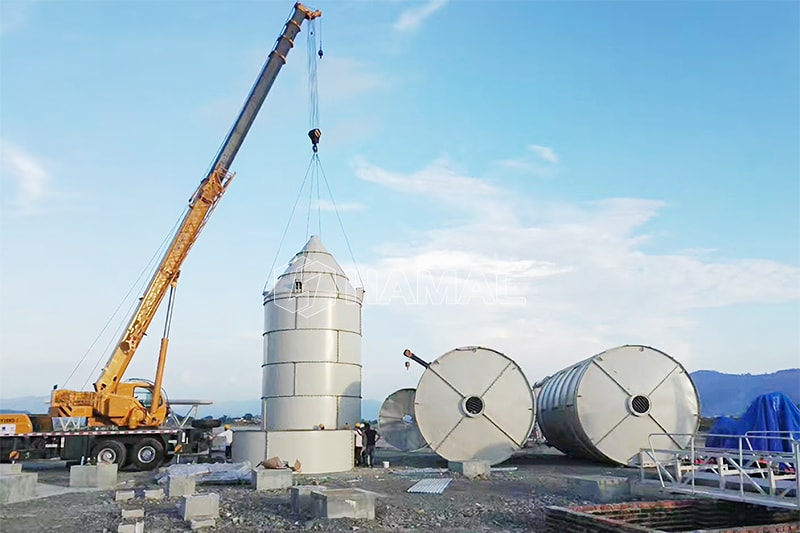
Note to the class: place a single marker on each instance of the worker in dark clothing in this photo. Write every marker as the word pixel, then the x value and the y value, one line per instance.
pixel 371 437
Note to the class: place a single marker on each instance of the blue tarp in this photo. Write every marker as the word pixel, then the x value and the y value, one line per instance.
pixel 767 415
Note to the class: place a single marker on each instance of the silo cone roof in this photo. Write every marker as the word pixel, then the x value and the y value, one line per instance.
pixel 318 272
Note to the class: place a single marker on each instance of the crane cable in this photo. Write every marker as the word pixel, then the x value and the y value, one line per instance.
pixel 314 171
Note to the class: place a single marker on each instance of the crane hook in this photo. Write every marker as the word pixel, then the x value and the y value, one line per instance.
pixel 314 135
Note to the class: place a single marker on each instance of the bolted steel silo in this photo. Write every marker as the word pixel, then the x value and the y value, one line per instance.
pixel 605 407
pixel 312 361
pixel 474 403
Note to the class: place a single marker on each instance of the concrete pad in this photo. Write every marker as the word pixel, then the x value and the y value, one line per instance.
pixel 343 503
pixel 271 479
pixel 470 469
pixel 137 527
pixel 203 523
pixel 101 476
pixel 200 506
pixel 647 489
pixel 18 487
pixel 132 513
pixel 7 469
pixel 601 489
pixel 301 497
pixel 154 494
pixel 124 495
pixel 178 486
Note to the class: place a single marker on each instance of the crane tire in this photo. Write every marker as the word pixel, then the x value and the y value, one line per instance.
pixel 109 451
pixel 147 454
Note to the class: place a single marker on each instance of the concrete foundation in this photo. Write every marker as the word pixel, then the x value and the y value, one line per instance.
pixel 343 503
pixel 178 486
pixel 132 513
pixel 200 506
pixel 18 487
pixel 601 489
pixel 137 527
pixel 203 523
pixel 124 495
pixel 102 476
pixel 153 494
pixel 301 497
pixel 7 469
pixel 271 479
pixel 470 469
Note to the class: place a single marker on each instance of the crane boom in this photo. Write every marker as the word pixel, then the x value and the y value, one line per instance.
pixel 123 410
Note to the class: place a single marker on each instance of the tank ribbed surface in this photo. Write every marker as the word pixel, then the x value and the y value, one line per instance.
pixel 312 345
pixel 605 407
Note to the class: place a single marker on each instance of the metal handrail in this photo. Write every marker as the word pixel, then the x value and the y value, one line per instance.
pixel 745 461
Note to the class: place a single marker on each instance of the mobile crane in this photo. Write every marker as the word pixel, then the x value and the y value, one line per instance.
pixel 125 419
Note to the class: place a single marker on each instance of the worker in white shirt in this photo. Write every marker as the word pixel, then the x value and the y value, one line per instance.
pixel 227 434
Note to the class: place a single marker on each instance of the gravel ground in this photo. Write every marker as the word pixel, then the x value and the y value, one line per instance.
pixel 508 501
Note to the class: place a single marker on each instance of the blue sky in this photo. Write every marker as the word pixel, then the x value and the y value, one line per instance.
pixel 549 179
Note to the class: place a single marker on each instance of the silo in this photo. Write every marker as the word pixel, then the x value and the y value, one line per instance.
pixel 312 362
pixel 473 404
pixel 605 407
pixel 397 423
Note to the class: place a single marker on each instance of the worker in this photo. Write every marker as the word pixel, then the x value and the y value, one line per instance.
pixel 359 440
pixel 371 437
pixel 227 434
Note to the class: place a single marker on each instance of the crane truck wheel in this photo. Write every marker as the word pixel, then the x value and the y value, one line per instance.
pixel 147 454
pixel 109 451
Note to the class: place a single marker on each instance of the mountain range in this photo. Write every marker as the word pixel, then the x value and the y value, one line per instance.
pixel 720 395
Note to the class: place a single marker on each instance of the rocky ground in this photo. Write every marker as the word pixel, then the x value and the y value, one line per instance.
pixel 508 501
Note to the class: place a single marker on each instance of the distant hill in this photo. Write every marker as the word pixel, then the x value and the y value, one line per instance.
pixel 731 394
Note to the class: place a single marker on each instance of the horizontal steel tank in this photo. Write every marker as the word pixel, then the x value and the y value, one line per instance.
pixel 474 403
pixel 605 407
pixel 397 424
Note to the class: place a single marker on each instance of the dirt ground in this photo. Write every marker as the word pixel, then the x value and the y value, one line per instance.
pixel 508 501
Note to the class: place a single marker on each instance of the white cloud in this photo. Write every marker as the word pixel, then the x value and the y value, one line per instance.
pixel 551 285
pixel 412 18
pixel 545 153
pixel 30 179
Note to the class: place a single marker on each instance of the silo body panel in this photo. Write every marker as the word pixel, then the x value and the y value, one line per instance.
pixel 312 350
pixel 606 407
pixel 472 404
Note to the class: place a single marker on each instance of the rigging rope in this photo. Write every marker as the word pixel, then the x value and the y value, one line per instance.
pixel 138 283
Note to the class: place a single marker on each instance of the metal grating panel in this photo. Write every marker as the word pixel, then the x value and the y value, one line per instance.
pixel 430 486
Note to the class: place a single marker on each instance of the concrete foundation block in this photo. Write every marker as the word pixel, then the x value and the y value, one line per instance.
pixel 470 469
pixel 136 527
pixel 343 503
pixel 101 476
pixel 203 523
pixel 153 494
pixel 7 469
pixel 124 495
pixel 18 487
pixel 271 479
pixel 601 489
pixel 178 486
pixel 301 497
pixel 132 513
pixel 651 489
pixel 200 506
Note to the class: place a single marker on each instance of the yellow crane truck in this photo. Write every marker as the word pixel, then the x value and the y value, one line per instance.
pixel 124 422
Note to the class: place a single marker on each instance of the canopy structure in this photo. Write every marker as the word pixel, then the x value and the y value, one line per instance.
pixel 770 415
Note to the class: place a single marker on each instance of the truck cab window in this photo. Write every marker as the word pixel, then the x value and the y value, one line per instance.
pixel 145 396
